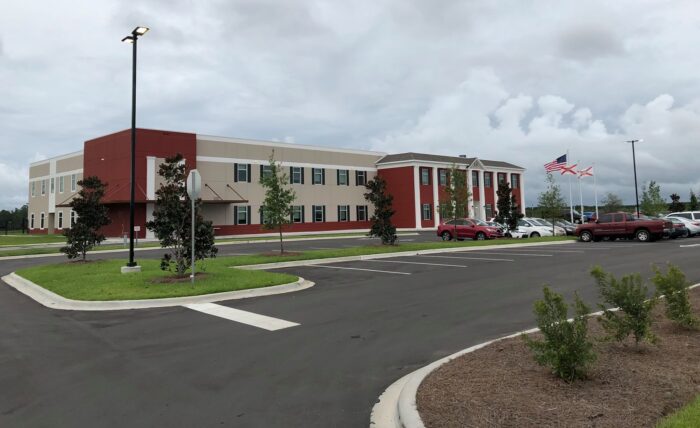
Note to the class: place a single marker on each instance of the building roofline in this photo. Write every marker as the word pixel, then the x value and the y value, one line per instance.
pixel 288 145
pixel 57 158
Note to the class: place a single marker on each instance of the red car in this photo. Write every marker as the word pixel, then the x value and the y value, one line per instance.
pixel 463 228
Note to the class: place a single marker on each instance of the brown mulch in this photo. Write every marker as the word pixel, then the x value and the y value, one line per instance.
pixel 178 279
pixel 502 386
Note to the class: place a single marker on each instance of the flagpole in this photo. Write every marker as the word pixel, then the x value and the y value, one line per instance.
pixel 580 194
pixel 571 199
pixel 595 191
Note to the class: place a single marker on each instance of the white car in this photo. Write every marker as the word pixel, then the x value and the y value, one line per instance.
pixel 690 215
pixel 531 228
pixel 692 226
pixel 558 230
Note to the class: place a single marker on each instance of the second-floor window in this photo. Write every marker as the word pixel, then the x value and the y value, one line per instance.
pixel 360 178
pixel 475 178
pixel 514 181
pixel 73 182
pixel 53 184
pixel 442 177
pixel 61 185
pixel 501 178
pixel 343 179
pixel 241 172
pixel 43 187
pixel 487 179
pixel 424 176
pixel 296 175
pixel 33 189
pixel 318 176
pixel 265 171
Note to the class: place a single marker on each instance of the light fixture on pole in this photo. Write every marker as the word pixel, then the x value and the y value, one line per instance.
pixel 634 165
pixel 133 39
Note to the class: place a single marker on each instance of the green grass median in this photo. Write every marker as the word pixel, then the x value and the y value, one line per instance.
pixel 102 280
pixel 687 417
pixel 11 240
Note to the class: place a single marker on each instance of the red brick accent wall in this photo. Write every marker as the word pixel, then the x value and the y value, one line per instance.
pixel 426 197
pixel 399 182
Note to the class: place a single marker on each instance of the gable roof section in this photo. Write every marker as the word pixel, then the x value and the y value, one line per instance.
pixel 411 156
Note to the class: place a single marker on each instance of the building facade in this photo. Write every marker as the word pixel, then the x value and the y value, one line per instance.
pixel 328 182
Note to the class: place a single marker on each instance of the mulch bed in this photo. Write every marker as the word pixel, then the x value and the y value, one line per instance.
pixel 501 385
pixel 178 279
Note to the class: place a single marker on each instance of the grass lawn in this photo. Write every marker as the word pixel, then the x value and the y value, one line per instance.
pixel 383 249
pixel 687 417
pixel 10 240
pixel 102 280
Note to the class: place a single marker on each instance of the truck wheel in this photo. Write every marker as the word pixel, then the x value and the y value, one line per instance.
pixel 586 236
pixel 534 235
pixel 480 236
pixel 446 236
pixel 642 235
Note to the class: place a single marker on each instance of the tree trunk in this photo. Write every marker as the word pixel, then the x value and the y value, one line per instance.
pixel 281 242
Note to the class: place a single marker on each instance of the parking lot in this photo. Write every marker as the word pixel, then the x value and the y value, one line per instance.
pixel 364 325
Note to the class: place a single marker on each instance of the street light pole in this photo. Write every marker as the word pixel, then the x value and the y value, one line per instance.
pixel 133 39
pixel 634 165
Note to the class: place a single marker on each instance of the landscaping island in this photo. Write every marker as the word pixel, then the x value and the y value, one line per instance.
pixel 502 385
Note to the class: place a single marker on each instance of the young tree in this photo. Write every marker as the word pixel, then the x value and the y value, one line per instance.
pixel 383 211
pixel 91 215
pixel 611 203
pixel 676 205
pixel 457 195
pixel 693 205
pixel 652 203
pixel 515 214
pixel 551 201
pixel 508 210
pixel 172 218
pixel 276 209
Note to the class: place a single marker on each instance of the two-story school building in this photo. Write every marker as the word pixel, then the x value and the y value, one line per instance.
pixel 329 183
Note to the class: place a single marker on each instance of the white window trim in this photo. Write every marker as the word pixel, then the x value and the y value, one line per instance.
pixel 300 171
pixel 245 211
pixel 31 221
pixel 59 219
pixel 301 213
pixel 61 184
pixel 347 212
pixel 73 182
pixel 42 220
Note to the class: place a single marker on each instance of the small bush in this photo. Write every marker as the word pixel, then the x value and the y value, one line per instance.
pixel 674 286
pixel 629 294
pixel 565 348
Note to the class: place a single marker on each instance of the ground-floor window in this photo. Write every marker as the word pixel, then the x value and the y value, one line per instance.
pixel 242 214
pixel 362 213
pixel 297 213
pixel 444 208
pixel 41 221
pixel 343 212
pixel 489 211
pixel 319 213
pixel 72 218
pixel 426 212
pixel 60 219
pixel 31 221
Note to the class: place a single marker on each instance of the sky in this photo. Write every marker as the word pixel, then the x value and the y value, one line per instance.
pixel 522 81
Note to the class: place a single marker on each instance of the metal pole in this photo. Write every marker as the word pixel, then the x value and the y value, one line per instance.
pixel 133 155
pixel 595 191
pixel 194 178
pixel 571 200
pixel 636 187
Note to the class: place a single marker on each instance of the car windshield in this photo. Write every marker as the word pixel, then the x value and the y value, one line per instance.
pixel 480 222
pixel 538 222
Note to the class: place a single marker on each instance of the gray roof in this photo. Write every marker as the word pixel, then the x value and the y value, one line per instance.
pixel 411 156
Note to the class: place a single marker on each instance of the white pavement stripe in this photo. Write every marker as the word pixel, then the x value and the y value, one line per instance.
pixel 558 250
pixel 244 317
pixel 414 263
pixel 367 270
pixel 322 248
pixel 469 258
pixel 690 245
pixel 509 254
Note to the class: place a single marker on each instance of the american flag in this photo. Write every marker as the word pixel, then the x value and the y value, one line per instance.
pixel 556 165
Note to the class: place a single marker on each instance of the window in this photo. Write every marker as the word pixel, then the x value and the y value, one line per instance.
pixel 43 187
pixel 425 176
pixel 318 176
pixel 360 178
pixel 296 175
pixel 523 223
pixel 501 178
pixel 442 177
pixel 53 184
pixel 487 179
pixel 265 171
pixel 618 218
pixel 630 217
pixel 684 215
pixel 33 189
pixel 41 221
pixel 262 215
pixel 514 181
pixel 61 186
pixel 241 172
pixel 319 213
pixel 242 214
pixel 426 212
pixel 31 221
pixel 343 177
pixel 73 182
pixel 362 213
pixel 343 212
pixel 72 218
pixel 489 211
pixel 605 218
pixel 297 213
pixel 475 178
pixel 60 219
pixel 443 210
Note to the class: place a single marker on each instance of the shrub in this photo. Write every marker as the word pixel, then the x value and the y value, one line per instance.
pixel 674 286
pixel 629 294
pixel 565 348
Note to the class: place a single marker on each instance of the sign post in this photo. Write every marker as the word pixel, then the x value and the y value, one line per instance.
pixel 194 186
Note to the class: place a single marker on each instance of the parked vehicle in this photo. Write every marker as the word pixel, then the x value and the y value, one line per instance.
pixel 678 230
pixel 463 228
pixel 692 226
pixel 623 225
pixel 565 214
pixel 531 228
pixel 558 231
pixel 492 223
pixel 568 226
pixel 690 215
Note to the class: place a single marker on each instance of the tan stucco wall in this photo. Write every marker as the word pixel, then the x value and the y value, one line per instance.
pixel 48 203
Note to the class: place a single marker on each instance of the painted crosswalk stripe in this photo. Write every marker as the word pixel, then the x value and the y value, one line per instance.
pixel 414 263
pixel 469 258
pixel 367 270
pixel 243 317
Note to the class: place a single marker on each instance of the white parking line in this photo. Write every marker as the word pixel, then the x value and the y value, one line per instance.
pixel 413 263
pixel 557 250
pixel 469 258
pixel 367 270
pixel 690 245
pixel 509 254
pixel 243 317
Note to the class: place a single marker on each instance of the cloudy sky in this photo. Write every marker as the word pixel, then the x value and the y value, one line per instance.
pixel 520 81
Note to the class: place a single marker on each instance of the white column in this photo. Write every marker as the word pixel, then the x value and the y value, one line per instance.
pixel 494 186
pixel 436 195
pixel 52 195
pixel 416 193
pixel 521 189
pixel 482 196
pixel 150 178
pixel 470 201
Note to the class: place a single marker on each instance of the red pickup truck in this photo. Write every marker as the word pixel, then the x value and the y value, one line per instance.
pixel 623 225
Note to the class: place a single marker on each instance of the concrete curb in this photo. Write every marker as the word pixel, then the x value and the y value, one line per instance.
pixel 54 301
pixel 397 407
pixel 310 262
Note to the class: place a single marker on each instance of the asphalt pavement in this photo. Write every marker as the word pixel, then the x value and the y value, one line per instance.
pixel 364 325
